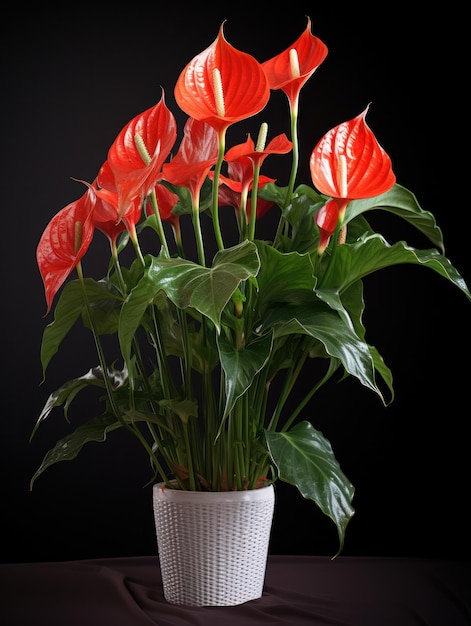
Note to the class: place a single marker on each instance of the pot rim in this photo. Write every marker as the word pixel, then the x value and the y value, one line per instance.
pixel 163 492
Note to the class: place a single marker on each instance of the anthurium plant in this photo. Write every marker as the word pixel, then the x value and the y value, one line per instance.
pixel 208 349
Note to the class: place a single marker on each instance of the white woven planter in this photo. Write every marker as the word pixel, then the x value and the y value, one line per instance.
pixel 213 546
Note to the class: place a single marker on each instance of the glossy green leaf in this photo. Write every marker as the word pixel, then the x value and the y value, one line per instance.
pixel 69 446
pixel 189 285
pixel 403 203
pixel 304 458
pixel 283 278
pixel 241 366
pixel 71 305
pixel 339 339
pixel 207 290
pixel 67 392
pixel 373 253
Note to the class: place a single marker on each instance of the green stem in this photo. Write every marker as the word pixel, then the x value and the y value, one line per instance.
pixel 294 107
pixel 333 365
pixel 160 227
pixel 240 468
pixel 198 233
pixel 253 210
pixel 324 279
pixel 101 356
pixel 290 379
pixel 295 160
pixel 210 429
pixel 137 352
pixel 215 203
pixel 190 466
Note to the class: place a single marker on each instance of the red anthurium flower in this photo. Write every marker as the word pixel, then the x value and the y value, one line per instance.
pixel 349 163
pixel 64 242
pixel 326 220
pixel 278 145
pixel 197 153
pixel 240 177
pixel 135 173
pixel 229 193
pixel 239 181
pixel 105 178
pixel 290 69
pixel 105 214
pixel 230 197
pixel 222 85
pixel 242 159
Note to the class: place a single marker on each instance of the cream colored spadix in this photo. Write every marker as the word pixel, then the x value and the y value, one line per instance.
pixel 294 63
pixel 218 92
pixel 342 176
pixel 262 137
pixel 142 148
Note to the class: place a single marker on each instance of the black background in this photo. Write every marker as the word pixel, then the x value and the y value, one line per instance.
pixel 70 81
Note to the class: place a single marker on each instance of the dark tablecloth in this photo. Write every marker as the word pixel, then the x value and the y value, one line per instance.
pixel 347 591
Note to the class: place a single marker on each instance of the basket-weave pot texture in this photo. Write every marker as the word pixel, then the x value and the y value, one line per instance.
pixel 213 546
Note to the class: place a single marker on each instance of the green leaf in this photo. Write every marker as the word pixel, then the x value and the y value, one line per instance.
pixel 71 305
pixel 299 213
pixel 383 370
pixel 403 203
pixel 304 458
pixel 183 408
pixel 283 277
pixel 207 290
pixel 67 392
pixel 318 320
pixel 69 446
pixel 273 193
pixel 277 194
pixel 241 366
pixel 188 284
pixel 68 309
pixel 372 253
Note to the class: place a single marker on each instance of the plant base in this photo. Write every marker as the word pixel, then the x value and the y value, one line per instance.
pixel 213 546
